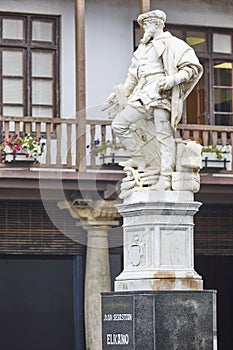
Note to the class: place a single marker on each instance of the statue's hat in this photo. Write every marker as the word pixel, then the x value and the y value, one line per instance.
pixel 152 14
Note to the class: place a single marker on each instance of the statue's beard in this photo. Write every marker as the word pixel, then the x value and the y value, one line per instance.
pixel 148 35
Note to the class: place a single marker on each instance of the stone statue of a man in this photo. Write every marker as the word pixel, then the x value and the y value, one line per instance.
pixel 163 71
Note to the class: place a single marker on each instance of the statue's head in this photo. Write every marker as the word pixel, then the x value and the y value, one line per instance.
pixel 152 16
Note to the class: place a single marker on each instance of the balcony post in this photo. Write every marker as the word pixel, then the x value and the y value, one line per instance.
pixel 80 84
pixel 144 6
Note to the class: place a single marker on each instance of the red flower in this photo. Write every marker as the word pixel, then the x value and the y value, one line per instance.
pixel 16 148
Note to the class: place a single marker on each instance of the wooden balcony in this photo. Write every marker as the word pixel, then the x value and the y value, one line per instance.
pixel 63 142
pixel 56 131
pixel 207 134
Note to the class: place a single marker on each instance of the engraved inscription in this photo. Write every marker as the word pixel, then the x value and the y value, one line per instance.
pixel 117 317
pixel 117 339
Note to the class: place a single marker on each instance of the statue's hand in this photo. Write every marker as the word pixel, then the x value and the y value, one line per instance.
pixel 110 102
pixel 111 98
pixel 167 83
pixel 174 122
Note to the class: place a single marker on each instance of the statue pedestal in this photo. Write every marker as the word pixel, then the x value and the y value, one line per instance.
pixel 158 301
pixel 158 242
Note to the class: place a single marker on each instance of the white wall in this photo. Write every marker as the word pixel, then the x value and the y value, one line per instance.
pixel 109 46
pixel 214 13
pixel 67 73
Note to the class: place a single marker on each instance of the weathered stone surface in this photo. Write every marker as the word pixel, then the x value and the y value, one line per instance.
pixel 161 320
pixel 186 181
pixel 158 242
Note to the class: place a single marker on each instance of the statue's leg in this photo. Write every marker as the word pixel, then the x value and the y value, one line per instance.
pixel 164 135
pixel 121 127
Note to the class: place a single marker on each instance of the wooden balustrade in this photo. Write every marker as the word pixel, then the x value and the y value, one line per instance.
pixel 62 142
pixel 207 134
pixel 96 130
pixel 59 135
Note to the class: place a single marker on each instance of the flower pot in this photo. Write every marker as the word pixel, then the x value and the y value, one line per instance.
pixel 19 158
pixel 210 160
pixel 21 149
pixel 109 157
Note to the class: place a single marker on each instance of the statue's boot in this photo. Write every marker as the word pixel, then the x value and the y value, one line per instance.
pixel 164 183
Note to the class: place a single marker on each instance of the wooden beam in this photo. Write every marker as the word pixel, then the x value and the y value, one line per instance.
pixel 80 84
pixel 144 6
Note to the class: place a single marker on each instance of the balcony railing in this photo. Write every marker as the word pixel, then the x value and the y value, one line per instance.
pixel 96 130
pixel 57 132
pixel 207 134
pixel 63 142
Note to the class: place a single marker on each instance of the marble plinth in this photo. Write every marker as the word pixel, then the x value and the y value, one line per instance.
pixel 158 242
pixel 174 320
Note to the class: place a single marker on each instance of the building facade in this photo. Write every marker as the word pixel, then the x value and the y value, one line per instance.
pixel 59 60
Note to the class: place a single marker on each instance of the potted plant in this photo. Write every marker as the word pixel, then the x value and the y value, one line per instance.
pixel 21 148
pixel 110 152
pixel 217 156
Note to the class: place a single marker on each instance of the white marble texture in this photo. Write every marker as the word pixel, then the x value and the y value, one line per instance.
pixel 163 72
pixel 158 242
pixel 186 181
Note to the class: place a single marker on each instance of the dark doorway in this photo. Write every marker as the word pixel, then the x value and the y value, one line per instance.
pixel 37 303
pixel 217 274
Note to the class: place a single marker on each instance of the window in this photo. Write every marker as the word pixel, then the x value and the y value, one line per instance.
pixel 211 100
pixel 29 65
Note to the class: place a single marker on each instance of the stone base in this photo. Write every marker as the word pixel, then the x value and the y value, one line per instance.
pixel 146 195
pixel 160 284
pixel 158 280
pixel 162 320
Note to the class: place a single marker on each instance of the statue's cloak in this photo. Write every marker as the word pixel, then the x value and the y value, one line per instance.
pixel 175 54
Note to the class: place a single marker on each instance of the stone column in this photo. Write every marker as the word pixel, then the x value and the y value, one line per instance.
pixel 97 280
pixel 97 217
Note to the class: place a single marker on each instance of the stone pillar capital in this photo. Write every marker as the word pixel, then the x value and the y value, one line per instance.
pixel 95 213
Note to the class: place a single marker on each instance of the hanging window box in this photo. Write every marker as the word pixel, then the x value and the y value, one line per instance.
pixel 22 149
pixel 219 157
pixel 111 158
pixel 109 152
pixel 19 158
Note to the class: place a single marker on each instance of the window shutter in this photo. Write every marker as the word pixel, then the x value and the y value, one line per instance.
pixel 25 228
pixel 214 230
